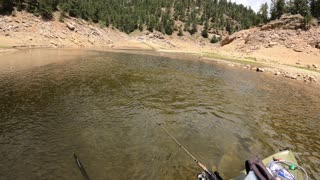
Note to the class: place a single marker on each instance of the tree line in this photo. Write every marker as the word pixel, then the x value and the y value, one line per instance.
pixel 306 8
pixel 165 16
pixel 302 7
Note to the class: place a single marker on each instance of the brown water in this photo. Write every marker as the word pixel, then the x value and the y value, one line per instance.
pixel 55 103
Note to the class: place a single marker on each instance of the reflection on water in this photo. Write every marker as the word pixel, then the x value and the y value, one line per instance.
pixel 61 102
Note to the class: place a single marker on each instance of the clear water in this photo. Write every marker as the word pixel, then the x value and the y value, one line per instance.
pixel 55 103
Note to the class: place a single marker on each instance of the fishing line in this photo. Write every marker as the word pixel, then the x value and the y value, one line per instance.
pixel 164 129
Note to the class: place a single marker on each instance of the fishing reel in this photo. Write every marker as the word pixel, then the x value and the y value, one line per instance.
pixel 206 176
pixel 202 176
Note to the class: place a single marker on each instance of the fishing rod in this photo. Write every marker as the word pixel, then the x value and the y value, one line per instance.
pixel 81 168
pixel 211 176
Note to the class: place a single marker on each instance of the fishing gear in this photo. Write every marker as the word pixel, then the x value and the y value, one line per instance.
pixel 289 164
pixel 81 168
pixel 211 176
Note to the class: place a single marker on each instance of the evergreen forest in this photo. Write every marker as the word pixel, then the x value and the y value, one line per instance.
pixel 165 16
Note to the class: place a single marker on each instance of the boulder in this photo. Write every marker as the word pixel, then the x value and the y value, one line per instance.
pixel 53 43
pixel 260 70
pixel 156 36
pixel 291 76
pixel 277 73
pixel 312 79
pixel 298 49
pixel 271 44
pixel 91 40
pixel 315 44
pixel 70 26
pixel 228 40
pixel 62 36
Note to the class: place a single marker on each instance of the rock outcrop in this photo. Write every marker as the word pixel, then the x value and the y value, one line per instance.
pixel 228 40
pixel 32 31
pixel 286 21
pixel 286 31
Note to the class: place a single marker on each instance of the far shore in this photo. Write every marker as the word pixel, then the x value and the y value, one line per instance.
pixel 32 32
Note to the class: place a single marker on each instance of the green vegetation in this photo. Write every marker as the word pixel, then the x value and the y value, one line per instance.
pixel 306 8
pixel 180 32
pixel 304 68
pixel 4 47
pixel 263 12
pixel 215 39
pixel 152 15
pixel 204 32
pixel 246 60
pixel 162 15
pixel 307 20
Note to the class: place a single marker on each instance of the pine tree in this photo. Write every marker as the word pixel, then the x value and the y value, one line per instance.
pixel 152 24
pixel 307 20
pixel 273 10
pixel 45 9
pixel 263 12
pixel 180 32
pixel 281 8
pixel 193 29
pixel 140 26
pixel 290 7
pixel 187 25
pixel 33 7
pixel 6 6
pixel 315 8
pixel 300 7
pixel 215 39
pixel 230 28
pixel 204 32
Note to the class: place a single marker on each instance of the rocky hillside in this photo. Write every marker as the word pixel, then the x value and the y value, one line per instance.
pixel 283 44
pixel 286 31
pixel 284 35
pixel 27 30
pixel 31 31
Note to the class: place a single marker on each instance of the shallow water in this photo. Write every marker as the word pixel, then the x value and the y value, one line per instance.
pixel 55 103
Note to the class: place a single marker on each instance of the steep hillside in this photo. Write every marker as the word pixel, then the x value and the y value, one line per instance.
pixel 165 16
pixel 27 30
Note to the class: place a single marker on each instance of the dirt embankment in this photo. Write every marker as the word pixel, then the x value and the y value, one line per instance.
pixel 280 47
pixel 282 44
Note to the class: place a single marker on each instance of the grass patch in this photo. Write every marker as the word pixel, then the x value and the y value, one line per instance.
pixel 246 60
pixel 304 68
pixel 4 47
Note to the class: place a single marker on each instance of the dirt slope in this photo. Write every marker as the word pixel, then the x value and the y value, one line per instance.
pixel 282 41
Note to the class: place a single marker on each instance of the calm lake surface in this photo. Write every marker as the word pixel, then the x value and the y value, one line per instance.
pixel 54 103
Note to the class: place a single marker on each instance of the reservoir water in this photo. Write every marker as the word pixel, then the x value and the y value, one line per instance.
pixel 54 103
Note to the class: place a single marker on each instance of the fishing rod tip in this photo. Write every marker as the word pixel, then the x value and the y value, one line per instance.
pixel 75 156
